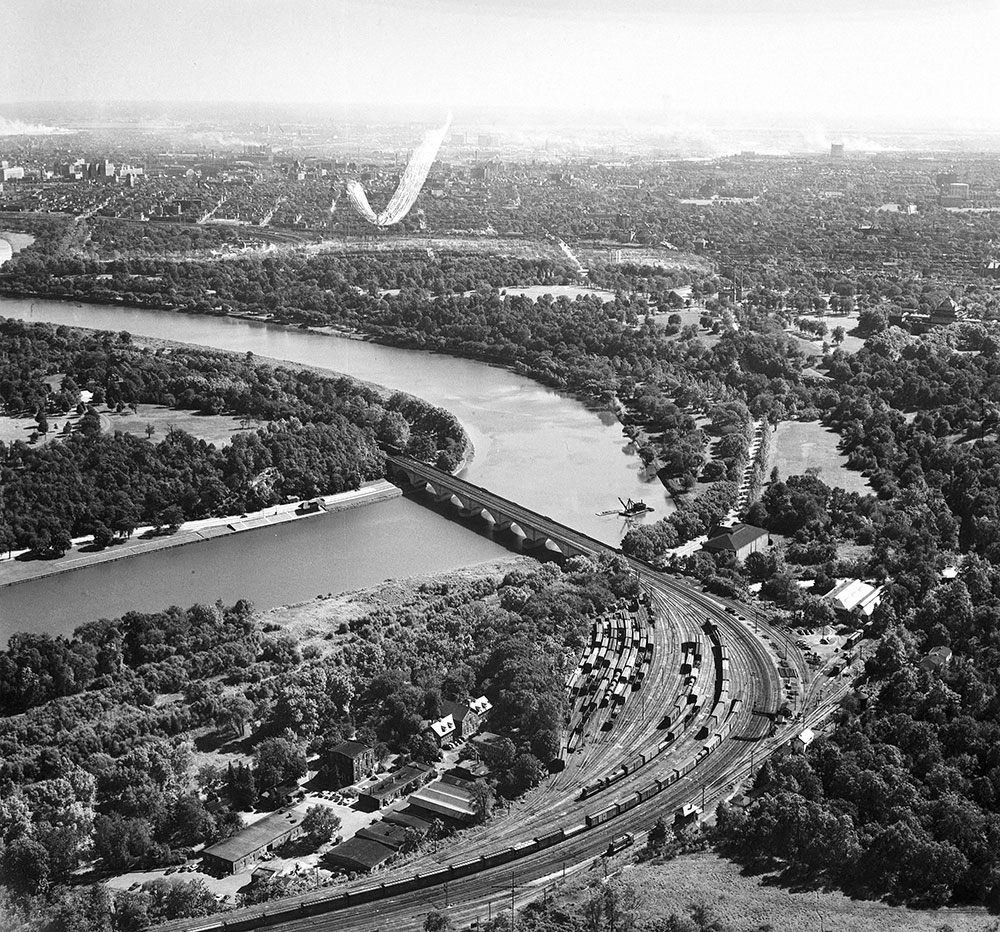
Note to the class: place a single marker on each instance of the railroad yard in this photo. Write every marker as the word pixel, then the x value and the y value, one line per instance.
pixel 673 704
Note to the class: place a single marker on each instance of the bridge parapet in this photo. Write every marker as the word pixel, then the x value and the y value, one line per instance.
pixel 533 529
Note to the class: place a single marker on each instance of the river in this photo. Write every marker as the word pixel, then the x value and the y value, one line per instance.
pixel 543 449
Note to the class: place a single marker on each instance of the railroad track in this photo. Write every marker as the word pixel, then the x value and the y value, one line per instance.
pixel 459 878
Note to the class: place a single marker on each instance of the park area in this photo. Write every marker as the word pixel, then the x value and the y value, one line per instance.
pixel 212 428
pixel 149 421
pixel 559 291
pixel 798 446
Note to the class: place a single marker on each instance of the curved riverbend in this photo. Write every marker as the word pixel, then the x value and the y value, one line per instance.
pixel 532 444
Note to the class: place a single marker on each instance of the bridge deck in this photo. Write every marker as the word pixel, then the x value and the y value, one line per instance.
pixel 493 502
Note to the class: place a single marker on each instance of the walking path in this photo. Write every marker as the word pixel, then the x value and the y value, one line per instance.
pixel 742 496
pixel 14 571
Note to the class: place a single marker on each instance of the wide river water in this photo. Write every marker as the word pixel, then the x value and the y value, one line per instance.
pixel 545 450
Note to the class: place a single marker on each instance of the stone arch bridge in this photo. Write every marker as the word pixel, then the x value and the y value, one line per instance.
pixel 473 501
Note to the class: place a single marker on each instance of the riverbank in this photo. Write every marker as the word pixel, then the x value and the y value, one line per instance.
pixel 155 343
pixel 14 571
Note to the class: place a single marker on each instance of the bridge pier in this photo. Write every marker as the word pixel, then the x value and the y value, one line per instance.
pixel 532 529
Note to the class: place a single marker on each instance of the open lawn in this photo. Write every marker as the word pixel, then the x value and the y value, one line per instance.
pixel 464 243
pixel 746 903
pixel 212 428
pixel 849 322
pixel 559 291
pixel 800 445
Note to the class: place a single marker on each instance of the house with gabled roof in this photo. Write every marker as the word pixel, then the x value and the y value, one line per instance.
pixel 739 539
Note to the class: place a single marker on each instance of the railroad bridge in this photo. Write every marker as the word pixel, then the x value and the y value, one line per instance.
pixel 473 501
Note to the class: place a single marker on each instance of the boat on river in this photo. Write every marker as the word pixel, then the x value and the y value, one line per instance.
pixel 629 509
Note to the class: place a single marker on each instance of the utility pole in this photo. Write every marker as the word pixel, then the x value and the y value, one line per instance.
pixel 511 901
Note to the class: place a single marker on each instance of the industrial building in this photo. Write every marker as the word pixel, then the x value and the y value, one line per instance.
pixel 360 854
pixel 444 798
pixel 852 596
pixel 385 833
pixel 394 786
pixel 235 854
pixel 740 540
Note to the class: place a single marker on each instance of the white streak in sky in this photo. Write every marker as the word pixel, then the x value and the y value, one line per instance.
pixel 414 176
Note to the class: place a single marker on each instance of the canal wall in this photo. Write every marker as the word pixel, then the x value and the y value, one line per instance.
pixel 13 571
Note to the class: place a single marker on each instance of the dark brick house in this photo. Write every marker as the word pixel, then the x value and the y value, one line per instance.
pixel 351 761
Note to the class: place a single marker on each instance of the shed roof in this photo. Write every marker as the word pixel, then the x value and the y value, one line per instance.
pixel 385 833
pixel 388 785
pixel 256 836
pixel 445 799
pixel 851 594
pixel 360 853
pixel 407 820
pixel 739 536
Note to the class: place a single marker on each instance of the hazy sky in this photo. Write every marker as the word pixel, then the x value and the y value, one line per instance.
pixel 826 58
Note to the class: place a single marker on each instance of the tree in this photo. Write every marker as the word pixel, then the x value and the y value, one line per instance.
pixel 277 761
pixel 24 866
pixel 121 842
pixel 234 714
pixel 190 820
pixel 482 799
pixel 872 321
pixel 546 745
pixel 103 536
pixel 173 898
pixel 172 516
pixel 613 905
pixel 394 430
pixel 525 774
pixel 437 922
pixel 320 824
pixel 658 834
pixel 241 786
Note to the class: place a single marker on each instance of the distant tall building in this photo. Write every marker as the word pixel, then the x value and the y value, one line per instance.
pixel 487 141
pixel 836 150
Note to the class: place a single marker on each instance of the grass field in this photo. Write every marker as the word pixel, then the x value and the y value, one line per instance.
pixel 212 428
pixel 800 445
pixel 559 291
pixel 748 903
pixel 849 322
pixel 217 428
